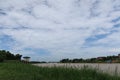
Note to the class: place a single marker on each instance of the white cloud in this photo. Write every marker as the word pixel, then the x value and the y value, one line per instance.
pixel 61 27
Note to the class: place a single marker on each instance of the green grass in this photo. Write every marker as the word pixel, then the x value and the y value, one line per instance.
pixel 20 71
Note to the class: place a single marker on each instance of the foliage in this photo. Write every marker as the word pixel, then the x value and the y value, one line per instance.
pixel 107 59
pixel 6 55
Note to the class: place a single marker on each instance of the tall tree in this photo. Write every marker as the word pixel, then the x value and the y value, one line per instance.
pixel 6 55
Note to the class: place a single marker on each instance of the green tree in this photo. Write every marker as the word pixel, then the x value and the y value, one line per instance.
pixel 6 55
pixel 18 57
pixel 2 55
pixel 65 60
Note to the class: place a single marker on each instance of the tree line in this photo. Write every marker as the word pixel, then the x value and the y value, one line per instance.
pixel 6 55
pixel 108 59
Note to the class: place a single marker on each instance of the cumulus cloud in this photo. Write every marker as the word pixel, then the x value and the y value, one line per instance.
pixel 67 28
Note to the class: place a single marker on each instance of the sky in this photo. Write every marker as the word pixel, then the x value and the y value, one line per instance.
pixel 51 30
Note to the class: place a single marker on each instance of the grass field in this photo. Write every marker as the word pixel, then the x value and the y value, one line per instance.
pixel 110 68
pixel 21 71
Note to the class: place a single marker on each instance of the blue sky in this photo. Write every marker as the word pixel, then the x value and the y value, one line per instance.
pixel 50 30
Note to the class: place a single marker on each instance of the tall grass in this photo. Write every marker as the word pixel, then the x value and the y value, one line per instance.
pixel 21 71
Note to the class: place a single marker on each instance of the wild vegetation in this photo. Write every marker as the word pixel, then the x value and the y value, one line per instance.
pixel 108 59
pixel 6 55
pixel 13 69
pixel 20 71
